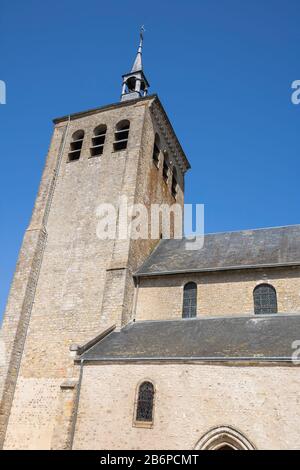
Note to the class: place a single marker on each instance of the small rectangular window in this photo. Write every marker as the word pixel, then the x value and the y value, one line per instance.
pixel 165 170
pixel 76 145
pixel 99 140
pixel 156 150
pixel 156 155
pixel 96 151
pixel 174 187
pixel 121 145
pixel 74 155
pixel 121 135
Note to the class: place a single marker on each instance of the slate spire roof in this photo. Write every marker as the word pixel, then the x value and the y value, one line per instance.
pixel 138 66
pixel 135 84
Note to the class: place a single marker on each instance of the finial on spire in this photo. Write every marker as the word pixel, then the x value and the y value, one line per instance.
pixel 137 66
pixel 135 84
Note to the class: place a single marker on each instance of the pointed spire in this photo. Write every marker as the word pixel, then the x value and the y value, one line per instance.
pixel 137 66
pixel 135 84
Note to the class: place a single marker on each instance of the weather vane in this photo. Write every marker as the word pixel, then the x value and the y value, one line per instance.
pixel 142 31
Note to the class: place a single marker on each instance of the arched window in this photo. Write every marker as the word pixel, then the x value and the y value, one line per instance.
pixel 189 309
pixel 265 299
pixel 144 408
pixel 121 135
pixel 174 183
pixel 76 145
pixel 166 167
pixel 98 140
pixel 156 150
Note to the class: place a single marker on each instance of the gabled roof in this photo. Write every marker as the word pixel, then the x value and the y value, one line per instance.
pixel 279 246
pixel 252 338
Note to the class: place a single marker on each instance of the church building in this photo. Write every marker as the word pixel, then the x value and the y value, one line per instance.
pixel 128 343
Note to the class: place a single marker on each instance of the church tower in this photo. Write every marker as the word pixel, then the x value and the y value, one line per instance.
pixel 70 285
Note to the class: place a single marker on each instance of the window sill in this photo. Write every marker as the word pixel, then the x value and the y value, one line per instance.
pixel 143 424
pixel 73 161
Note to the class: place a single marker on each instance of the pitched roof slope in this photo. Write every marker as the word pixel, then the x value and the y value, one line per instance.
pixel 277 246
pixel 267 337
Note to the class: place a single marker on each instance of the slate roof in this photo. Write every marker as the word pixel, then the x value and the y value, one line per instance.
pixel 279 246
pixel 267 337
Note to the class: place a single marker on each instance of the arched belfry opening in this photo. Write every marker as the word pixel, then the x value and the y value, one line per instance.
pixel 135 84
pixel 224 438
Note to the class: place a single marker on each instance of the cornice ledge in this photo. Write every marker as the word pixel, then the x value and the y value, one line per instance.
pixel 167 131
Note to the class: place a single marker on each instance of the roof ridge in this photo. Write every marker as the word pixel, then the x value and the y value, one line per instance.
pixel 252 229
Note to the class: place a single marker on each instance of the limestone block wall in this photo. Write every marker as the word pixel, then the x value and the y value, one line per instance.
pixel 71 279
pixel 68 297
pixel 32 419
pixel 145 185
pixel 190 399
pixel 158 191
pixel 71 285
pixel 21 297
pixel 218 294
pixel 151 176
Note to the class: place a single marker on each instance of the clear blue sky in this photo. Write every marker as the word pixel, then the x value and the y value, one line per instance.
pixel 222 68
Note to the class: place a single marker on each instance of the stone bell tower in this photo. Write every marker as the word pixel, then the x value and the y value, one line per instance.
pixel 69 285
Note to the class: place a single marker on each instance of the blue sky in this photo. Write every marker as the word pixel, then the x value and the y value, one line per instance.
pixel 222 68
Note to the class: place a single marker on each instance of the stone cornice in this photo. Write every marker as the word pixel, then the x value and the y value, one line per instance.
pixel 89 112
pixel 168 132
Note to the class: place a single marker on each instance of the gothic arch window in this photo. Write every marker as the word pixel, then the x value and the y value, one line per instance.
pixel 224 438
pixel 145 402
pixel 174 183
pixel 121 135
pixel 156 150
pixel 98 140
pixel 189 308
pixel 76 145
pixel 265 299
pixel 166 167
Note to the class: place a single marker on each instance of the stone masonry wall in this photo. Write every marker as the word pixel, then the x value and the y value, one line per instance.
pixel 190 399
pixel 68 296
pixel 218 294
pixel 77 268
pixel 21 297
